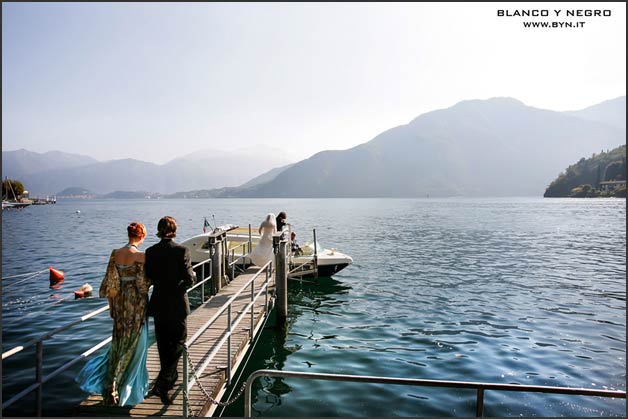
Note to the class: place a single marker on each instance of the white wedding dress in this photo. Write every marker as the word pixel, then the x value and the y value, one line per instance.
pixel 263 252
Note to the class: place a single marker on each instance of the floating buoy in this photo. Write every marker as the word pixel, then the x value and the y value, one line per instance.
pixel 78 294
pixel 78 212
pixel 56 277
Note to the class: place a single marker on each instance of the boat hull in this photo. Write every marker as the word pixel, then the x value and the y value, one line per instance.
pixel 328 270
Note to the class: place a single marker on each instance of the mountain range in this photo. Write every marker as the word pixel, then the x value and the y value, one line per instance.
pixel 493 147
pixel 49 173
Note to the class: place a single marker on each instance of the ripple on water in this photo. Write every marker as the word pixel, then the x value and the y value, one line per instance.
pixel 526 291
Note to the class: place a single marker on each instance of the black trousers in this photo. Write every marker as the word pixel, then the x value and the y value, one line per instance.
pixel 171 336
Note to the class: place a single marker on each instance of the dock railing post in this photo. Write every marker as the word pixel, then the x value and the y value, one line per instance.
pixel 215 243
pixel 479 403
pixel 315 255
pixel 252 315
pixel 186 389
pixel 203 286
pixel 225 258
pixel 250 244
pixel 229 345
pixel 39 355
pixel 266 294
pixel 280 244
pixel 233 263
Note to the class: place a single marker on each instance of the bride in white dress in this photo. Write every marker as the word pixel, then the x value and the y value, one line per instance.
pixel 263 252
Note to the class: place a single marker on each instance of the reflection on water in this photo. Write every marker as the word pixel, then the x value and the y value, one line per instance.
pixel 274 347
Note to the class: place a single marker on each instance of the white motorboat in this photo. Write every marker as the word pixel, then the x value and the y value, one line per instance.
pixel 310 262
pixel 14 204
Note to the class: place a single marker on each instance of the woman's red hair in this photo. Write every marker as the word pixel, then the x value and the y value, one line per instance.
pixel 136 230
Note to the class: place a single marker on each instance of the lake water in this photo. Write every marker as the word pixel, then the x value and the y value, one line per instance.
pixel 519 290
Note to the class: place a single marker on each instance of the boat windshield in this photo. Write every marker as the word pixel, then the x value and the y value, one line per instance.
pixel 308 248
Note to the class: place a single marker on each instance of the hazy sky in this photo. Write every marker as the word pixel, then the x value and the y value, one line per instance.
pixel 154 81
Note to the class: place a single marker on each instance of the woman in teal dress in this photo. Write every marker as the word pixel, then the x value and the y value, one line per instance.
pixel 120 374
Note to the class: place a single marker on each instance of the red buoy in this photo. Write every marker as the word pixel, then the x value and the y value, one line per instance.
pixel 56 277
pixel 79 294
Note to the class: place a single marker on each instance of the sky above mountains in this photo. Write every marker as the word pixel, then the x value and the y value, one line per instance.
pixel 154 81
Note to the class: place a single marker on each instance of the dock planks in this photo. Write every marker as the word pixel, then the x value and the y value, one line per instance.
pixel 213 378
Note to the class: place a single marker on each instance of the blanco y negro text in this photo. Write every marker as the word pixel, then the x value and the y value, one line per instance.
pixel 554 13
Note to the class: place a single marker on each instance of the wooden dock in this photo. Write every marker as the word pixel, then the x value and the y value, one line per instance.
pixel 213 379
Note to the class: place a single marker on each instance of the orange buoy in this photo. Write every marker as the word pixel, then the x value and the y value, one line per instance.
pixel 56 277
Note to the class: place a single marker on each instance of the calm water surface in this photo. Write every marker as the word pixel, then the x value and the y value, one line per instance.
pixel 527 291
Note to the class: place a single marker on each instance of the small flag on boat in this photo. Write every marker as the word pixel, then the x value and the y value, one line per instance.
pixel 205 225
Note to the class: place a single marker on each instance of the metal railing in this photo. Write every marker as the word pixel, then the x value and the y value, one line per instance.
pixel 242 257
pixel 204 278
pixel 226 338
pixel 39 344
pixel 310 267
pixel 479 387
pixel 39 361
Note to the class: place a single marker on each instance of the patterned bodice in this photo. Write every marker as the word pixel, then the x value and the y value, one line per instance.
pixel 129 272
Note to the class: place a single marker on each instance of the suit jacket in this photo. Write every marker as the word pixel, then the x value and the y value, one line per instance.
pixel 168 266
pixel 281 223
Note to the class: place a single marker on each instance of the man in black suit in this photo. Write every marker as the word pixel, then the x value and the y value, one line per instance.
pixel 281 221
pixel 168 266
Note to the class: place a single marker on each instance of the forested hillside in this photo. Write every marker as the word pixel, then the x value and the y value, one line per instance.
pixel 583 178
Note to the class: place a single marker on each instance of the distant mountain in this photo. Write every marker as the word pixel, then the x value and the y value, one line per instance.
pixel 495 147
pixel 101 178
pixel 598 168
pixel 19 163
pixel 611 112
pixel 132 195
pixel 265 177
pixel 210 169
pixel 230 192
pixel 205 169
pixel 75 192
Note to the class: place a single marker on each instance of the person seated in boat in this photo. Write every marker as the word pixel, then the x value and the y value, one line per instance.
pixel 85 291
pixel 294 246
pixel 281 221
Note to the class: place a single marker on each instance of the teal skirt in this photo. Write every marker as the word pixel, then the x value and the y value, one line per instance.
pixel 93 376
